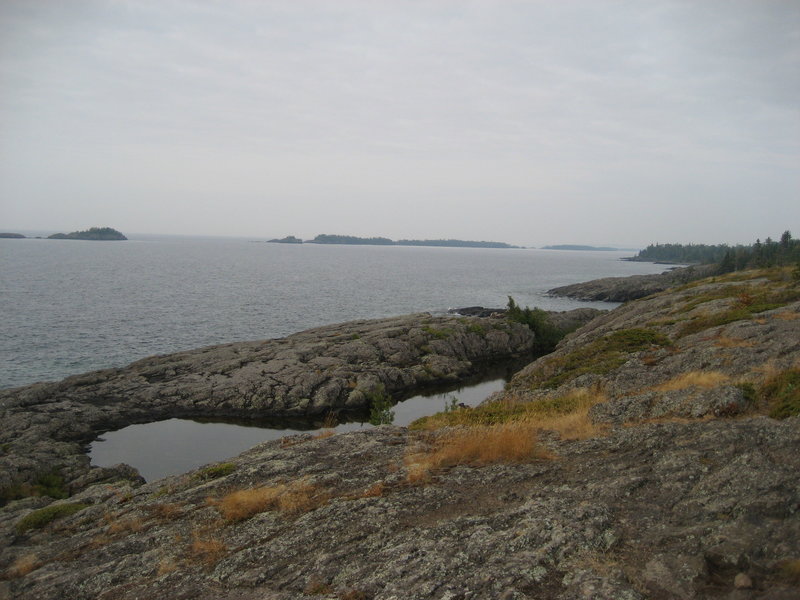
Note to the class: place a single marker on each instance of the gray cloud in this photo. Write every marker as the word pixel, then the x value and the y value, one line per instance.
pixel 530 122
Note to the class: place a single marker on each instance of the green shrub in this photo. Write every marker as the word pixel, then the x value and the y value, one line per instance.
pixel 380 407
pixel 39 518
pixel 546 335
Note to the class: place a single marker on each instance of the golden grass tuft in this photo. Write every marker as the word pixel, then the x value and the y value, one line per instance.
pixel 166 565
pixel 700 379
pixel 290 499
pixel 23 565
pixel 205 550
pixel 478 446
pixel 787 315
pixel 130 525
pixel 375 490
pixel 167 512
pixel 323 434
pixel 724 341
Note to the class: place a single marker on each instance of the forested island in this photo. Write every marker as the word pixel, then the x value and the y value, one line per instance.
pixel 325 238
pixel 93 233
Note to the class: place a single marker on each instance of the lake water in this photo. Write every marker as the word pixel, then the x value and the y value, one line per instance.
pixel 71 306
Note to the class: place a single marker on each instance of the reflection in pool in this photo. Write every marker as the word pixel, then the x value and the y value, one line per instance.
pixel 176 446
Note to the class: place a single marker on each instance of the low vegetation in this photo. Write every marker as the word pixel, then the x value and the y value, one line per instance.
pixel 697 379
pixel 781 393
pixel 599 357
pixel 289 499
pixel 47 484
pixel 44 516
pixel 215 471
pixel 546 335
pixel 479 445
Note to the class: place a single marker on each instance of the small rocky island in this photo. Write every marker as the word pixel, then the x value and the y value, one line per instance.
pixel 93 233
pixel 653 454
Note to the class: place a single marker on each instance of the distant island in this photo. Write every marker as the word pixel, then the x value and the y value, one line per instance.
pixel 12 236
pixel 326 238
pixel 289 239
pixel 93 233
pixel 578 247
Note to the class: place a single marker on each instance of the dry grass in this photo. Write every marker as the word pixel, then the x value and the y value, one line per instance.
pixel 290 499
pixel 168 512
pixel 325 433
pixel 699 379
pixel 166 565
pixel 129 525
pixel 482 445
pixel 567 414
pixel 23 565
pixel 723 341
pixel 787 315
pixel 317 587
pixel 206 550
pixel 373 491
pixel 790 570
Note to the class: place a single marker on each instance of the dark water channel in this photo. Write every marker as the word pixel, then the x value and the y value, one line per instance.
pixel 176 446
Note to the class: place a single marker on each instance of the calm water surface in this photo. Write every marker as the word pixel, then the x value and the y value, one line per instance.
pixel 176 446
pixel 71 306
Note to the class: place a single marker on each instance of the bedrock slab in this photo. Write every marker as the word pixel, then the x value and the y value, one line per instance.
pixel 343 367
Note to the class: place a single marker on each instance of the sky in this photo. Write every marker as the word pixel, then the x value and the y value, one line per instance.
pixel 528 122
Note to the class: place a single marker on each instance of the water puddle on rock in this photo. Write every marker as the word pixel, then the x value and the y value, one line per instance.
pixel 176 446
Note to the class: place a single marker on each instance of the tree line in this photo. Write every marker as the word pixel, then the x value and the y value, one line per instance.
pixel 768 253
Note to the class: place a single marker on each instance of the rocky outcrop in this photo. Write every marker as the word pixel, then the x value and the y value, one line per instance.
pixel 673 510
pixel 624 289
pixel 683 489
pixel 337 368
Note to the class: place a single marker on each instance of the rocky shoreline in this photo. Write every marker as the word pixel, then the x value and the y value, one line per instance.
pixel 625 289
pixel 657 472
pixel 342 368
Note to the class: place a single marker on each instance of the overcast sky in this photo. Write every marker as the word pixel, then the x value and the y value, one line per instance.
pixel 530 122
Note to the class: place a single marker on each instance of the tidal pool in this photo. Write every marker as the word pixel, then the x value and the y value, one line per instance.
pixel 176 446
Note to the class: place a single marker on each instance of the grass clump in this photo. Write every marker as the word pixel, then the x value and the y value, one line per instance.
pixel 289 499
pixel 47 484
pixel 477 446
pixel 568 415
pixel 380 412
pixel 781 392
pixel 215 471
pixel 698 379
pixel 600 357
pixel 39 518
pixel 206 550
pixel 23 565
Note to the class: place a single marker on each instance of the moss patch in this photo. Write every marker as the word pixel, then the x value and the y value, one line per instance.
pixel 215 471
